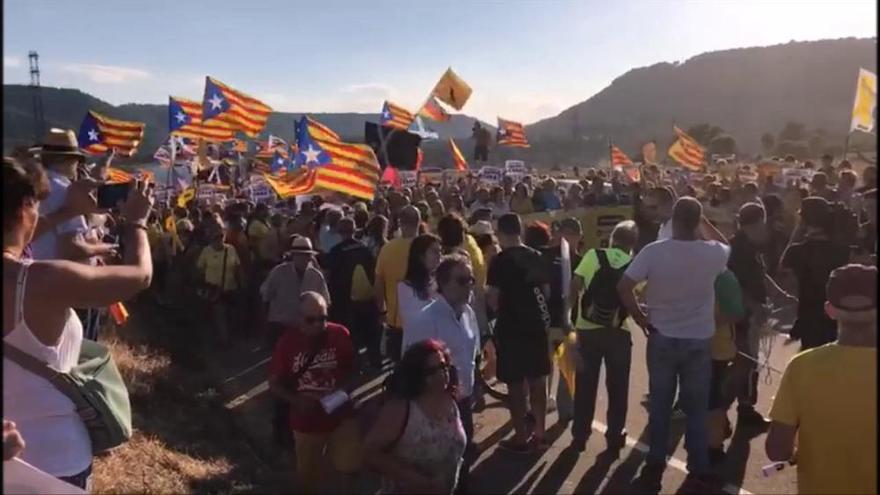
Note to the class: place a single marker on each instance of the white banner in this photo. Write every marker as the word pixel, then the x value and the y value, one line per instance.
pixel 408 178
pixel 491 175
pixel 515 167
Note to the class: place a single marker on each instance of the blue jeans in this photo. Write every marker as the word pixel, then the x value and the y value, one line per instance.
pixel 685 362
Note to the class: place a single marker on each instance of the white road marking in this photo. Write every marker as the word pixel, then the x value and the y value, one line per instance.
pixel 674 462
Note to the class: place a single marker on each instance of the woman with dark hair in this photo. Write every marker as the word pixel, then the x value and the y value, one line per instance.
pixel 38 319
pixel 418 288
pixel 417 441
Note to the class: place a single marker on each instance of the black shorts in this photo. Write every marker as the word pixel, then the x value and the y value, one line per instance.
pixel 521 358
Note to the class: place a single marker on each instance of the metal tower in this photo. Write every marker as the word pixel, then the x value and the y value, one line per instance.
pixel 36 96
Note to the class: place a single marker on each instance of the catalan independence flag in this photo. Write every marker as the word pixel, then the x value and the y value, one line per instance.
pixel 511 133
pixel 618 158
pixel 344 167
pixel 292 184
pixel 234 109
pixel 434 111
pixel 460 162
pixel 99 134
pixel 687 151
pixel 185 119
pixel 396 116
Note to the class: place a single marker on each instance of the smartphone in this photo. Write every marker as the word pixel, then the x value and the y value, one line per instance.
pixel 110 195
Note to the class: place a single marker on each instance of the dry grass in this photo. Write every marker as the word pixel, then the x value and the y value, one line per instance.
pixel 183 440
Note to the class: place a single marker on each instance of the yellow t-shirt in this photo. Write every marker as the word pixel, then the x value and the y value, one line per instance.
pixel 478 264
pixel 391 267
pixel 256 232
pixel 830 394
pixel 210 262
pixel 361 288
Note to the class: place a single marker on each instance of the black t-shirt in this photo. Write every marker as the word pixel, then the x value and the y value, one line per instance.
pixel 519 274
pixel 552 257
pixel 746 263
pixel 813 261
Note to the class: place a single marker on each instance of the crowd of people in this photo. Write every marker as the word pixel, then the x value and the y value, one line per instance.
pixel 453 283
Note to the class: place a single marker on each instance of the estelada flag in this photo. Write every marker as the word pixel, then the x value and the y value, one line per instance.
pixel 460 162
pixel 434 111
pixel 452 90
pixel 295 183
pixel 232 108
pixel 865 105
pixel 619 158
pixel 343 167
pixel 511 133
pixel 686 151
pixel 117 176
pixel 185 119
pixel 98 134
pixel 396 116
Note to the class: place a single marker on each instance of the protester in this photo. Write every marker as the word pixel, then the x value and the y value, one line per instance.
pixel 222 277
pixel 13 444
pixel 825 411
pixel 38 297
pixel 518 287
pixel 351 272
pixel 811 257
pixel 679 324
pixel 376 234
pixel 451 320
pixel 602 337
pixel 391 267
pixel 311 362
pixel 418 287
pixel 417 441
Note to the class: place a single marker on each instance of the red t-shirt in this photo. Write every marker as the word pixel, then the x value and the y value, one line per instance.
pixel 333 365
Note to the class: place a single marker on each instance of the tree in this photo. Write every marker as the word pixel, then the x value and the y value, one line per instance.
pixel 723 144
pixel 798 149
pixel 793 131
pixel 767 142
pixel 704 133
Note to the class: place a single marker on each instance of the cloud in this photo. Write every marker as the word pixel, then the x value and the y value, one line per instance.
pixel 369 90
pixel 11 61
pixel 107 74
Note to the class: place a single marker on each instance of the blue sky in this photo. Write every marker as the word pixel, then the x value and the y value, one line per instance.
pixel 525 60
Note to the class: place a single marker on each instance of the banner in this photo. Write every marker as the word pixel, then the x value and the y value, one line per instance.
pixel 515 169
pixel 597 222
pixel 491 175
pixel 408 178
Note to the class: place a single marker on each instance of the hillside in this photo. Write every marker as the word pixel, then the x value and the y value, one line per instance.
pixel 745 92
pixel 65 108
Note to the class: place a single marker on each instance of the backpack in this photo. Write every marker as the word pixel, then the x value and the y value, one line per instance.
pixel 600 303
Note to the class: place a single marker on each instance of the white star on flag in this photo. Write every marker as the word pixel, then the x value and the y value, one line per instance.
pixel 93 135
pixel 216 101
pixel 386 115
pixel 181 117
pixel 311 154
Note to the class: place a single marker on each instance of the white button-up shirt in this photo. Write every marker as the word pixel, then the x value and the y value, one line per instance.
pixel 460 334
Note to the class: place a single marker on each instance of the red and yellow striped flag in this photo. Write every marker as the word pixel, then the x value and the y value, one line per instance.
pixel 233 109
pixel 460 162
pixel 98 134
pixel 686 151
pixel 292 184
pixel 434 111
pixel 511 133
pixel 185 119
pixel 394 115
pixel 619 158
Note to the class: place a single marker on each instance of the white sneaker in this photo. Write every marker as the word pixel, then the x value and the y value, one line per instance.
pixel 551 404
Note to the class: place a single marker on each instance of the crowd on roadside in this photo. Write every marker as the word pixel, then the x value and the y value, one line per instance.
pixel 453 283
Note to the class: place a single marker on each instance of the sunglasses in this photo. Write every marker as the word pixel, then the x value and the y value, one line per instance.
pixel 465 281
pixel 431 370
pixel 311 320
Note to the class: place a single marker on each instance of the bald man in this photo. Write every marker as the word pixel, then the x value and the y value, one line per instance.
pixel 390 269
pixel 312 364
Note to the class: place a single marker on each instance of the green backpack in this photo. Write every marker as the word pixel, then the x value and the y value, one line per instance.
pixel 95 387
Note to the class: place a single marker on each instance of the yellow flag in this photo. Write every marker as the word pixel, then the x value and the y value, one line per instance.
pixel 186 196
pixel 452 90
pixel 865 106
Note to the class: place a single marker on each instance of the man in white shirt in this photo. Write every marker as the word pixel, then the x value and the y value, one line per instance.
pixel 450 319
pixel 679 323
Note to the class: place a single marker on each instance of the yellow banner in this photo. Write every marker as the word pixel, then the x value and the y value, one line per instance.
pixel 865 106
pixel 597 222
pixel 452 90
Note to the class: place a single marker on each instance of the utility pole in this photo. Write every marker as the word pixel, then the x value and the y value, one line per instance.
pixel 36 96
